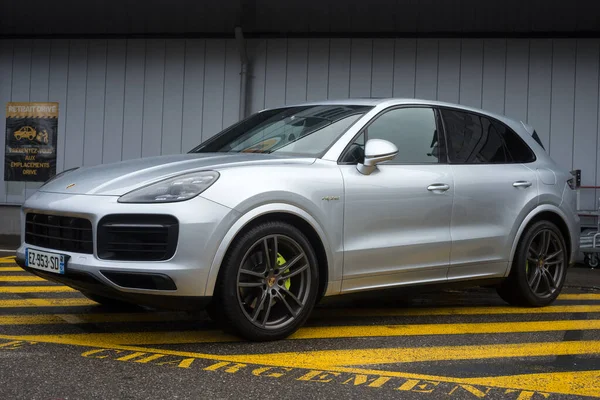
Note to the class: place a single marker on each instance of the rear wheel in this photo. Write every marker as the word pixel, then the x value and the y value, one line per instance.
pixel 539 267
pixel 269 283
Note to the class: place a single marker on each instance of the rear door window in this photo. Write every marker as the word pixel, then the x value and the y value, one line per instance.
pixel 476 139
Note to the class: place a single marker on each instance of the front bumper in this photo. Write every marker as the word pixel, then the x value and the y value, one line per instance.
pixel 202 225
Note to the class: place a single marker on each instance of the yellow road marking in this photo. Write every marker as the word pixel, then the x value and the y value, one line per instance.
pixel 35 289
pixel 323 359
pixel 409 312
pixel 21 278
pixel 329 332
pixel 46 303
pixel 579 296
pixel 7 259
pixel 10 269
pixel 587 384
pixel 89 318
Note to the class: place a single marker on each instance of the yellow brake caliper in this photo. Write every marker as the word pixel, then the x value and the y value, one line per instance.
pixel 280 262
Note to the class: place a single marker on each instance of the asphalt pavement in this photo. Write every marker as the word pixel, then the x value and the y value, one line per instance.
pixel 453 343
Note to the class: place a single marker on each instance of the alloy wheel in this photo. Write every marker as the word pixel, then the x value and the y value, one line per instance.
pixel 273 282
pixel 545 263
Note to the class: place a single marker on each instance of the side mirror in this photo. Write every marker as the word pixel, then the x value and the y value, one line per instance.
pixel 376 152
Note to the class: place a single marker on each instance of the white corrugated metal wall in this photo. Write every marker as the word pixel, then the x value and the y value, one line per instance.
pixel 121 99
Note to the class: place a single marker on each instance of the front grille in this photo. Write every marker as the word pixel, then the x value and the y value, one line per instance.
pixel 59 232
pixel 132 237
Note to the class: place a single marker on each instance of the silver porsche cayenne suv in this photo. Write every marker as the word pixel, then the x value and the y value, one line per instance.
pixel 295 203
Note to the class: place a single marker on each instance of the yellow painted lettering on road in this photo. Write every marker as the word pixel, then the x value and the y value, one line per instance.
pixel 469 389
pixel 262 372
pixel 94 353
pixel 230 368
pixel 418 386
pixel 360 379
pixel 183 363
pixel 131 356
pixel 318 376
pixel 14 344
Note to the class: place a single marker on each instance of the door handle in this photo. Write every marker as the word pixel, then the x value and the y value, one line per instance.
pixel 438 187
pixel 523 184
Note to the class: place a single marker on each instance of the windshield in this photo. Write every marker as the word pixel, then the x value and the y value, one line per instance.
pixel 305 130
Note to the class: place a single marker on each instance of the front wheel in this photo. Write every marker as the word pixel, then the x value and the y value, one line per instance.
pixel 539 267
pixel 268 283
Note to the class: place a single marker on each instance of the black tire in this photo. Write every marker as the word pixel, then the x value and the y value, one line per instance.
pixel 516 289
pixel 235 302
pixel 108 302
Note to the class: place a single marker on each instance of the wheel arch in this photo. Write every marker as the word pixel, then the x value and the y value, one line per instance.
pixel 542 213
pixel 280 212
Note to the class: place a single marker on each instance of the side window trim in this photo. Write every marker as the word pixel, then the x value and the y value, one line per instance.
pixel 508 128
pixel 443 159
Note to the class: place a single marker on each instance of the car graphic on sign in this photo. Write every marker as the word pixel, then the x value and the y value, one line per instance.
pixel 25 132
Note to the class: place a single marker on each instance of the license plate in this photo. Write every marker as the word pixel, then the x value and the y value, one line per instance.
pixel 45 261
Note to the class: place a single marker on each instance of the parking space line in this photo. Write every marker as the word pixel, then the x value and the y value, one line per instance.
pixel 330 332
pixel 10 269
pixel 35 289
pixel 51 319
pixel 323 359
pixel 22 278
pixel 51 302
pixel 579 296
pixel 420 311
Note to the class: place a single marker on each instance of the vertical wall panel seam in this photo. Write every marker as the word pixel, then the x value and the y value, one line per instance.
pixel 528 72
pixel 307 64
pixel 437 75
pixel 551 86
pixel 328 64
pixel 30 72
pixel 124 93
pixel 394 67
pixel 104 109
pixel 12 79
pixel 574 102
pixel 66 103
pixel 183 94
pixel 264 103
pixel 162 107
pixel 224 84
pixel 203 91
pixel 371 78
pixel 49 62
pixel 31 49
pixel 505 74
pixel 415 68
pixel 350 68
pixel 87 70
pixel 460 68
pixel 143 97
pixel 482 72
pixel 597 128
pixel 287 53
pixel 287 50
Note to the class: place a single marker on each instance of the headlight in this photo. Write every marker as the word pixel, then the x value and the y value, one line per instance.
pixel 179 188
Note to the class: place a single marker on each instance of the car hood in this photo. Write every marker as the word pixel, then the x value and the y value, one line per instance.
pixel 120 178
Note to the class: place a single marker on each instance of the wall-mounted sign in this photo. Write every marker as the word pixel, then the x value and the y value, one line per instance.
pixel 31 130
